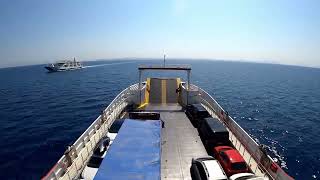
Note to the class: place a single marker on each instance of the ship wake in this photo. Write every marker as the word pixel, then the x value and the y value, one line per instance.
pixel 107 64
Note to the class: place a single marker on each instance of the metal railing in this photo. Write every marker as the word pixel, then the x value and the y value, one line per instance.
pixel 253 153
pixel 71 164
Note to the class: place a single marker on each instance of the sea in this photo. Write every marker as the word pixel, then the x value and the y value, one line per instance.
pixel 41 113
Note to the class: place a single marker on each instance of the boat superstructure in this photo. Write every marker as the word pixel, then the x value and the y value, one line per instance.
pixel 65 65
pixel 158 151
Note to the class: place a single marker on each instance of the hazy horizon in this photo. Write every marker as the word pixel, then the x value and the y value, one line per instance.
pixel 277 32
pixel 168 61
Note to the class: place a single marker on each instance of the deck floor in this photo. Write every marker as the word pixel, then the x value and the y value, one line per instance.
pixel 180 142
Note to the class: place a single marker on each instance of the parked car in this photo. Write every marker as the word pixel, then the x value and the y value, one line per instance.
pixel 247 176
pixel 102 147
pixel 196 112
pixel 207 168
pixel 231 160
pixel 213 132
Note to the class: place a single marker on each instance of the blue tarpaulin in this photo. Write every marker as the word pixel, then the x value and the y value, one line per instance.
pixel 135 153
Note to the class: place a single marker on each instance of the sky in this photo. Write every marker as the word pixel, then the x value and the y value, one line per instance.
pixel 271 31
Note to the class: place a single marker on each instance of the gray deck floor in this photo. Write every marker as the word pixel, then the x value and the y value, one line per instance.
pixel 180 142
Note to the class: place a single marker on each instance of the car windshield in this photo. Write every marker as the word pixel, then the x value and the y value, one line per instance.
pixel 239 166
pixel 225 149
pixel 203 114
pixel 245 177
pixel 94 162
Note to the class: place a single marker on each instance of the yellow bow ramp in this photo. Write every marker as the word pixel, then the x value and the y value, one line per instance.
pixel 161 91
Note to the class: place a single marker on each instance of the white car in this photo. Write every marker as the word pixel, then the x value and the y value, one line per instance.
pixel 247 176
pixel 207 168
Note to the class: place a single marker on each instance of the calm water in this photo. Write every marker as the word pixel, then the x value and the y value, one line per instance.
pixel 43 112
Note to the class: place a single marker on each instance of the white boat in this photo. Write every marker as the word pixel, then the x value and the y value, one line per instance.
pixel 151 130
pixel 65 65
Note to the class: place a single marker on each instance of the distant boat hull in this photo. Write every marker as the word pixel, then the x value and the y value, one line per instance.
pixel 52 69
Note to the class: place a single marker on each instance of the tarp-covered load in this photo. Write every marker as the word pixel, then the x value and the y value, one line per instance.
pixel 135 153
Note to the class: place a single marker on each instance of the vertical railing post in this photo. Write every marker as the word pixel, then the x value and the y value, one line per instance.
pixel 140 79
pixel 188 86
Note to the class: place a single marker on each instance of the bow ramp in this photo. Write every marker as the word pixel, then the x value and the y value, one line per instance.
pixel 162 91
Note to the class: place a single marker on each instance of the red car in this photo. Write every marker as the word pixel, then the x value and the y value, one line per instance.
pixel 231 160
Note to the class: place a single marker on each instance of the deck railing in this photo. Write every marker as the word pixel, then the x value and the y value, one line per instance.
pixel 253 153
pixel 71 164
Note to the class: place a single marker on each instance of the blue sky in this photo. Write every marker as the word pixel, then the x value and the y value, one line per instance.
pixel 42 31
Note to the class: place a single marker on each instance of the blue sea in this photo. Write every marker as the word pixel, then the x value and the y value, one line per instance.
pixel 41 113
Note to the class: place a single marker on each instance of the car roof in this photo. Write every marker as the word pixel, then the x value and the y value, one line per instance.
pixel 234 155
pixel 214 169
